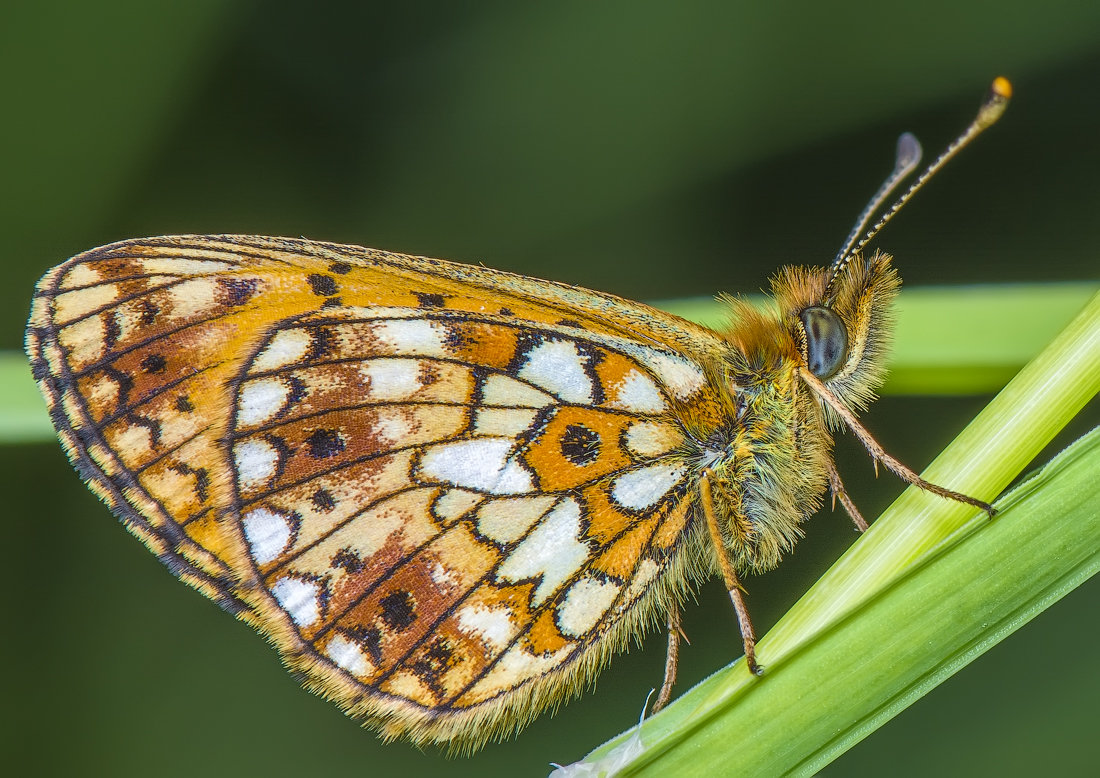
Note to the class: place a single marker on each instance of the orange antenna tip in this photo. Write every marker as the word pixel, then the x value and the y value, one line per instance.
pixel 999 93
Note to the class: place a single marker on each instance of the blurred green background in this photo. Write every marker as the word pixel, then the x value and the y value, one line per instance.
pixel 648 149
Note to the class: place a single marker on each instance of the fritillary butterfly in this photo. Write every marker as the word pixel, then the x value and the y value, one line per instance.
pixel 447 493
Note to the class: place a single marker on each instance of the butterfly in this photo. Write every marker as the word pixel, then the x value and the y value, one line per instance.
pixel 447 494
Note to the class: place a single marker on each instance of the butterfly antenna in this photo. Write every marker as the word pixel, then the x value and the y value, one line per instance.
pixel 989 112
pixel 905 162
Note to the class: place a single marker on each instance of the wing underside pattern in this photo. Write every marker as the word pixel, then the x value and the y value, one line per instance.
pixel 448 507
pixel 433 486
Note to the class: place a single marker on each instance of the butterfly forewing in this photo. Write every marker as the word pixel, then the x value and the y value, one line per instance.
pixel 441 490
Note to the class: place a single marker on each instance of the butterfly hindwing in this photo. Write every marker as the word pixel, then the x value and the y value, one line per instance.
pixel 445 509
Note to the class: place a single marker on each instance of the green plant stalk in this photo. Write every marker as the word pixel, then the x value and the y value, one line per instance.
pixel 949 341
pixel 1064 493
pixel 833 669
pixel 23 416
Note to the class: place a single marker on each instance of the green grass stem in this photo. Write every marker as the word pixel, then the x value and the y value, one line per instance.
pixel 949 341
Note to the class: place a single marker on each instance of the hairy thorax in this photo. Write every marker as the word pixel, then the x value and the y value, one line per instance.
pixel 768 457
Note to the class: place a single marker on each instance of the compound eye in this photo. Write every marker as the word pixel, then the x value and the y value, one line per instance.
pixel 826 341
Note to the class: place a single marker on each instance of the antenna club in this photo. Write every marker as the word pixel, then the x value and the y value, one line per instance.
pixel 999 93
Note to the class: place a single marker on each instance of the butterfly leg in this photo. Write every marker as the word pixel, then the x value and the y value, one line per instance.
pixel 840 493
pixel 729 573
pixel 878 454
pixel 672 659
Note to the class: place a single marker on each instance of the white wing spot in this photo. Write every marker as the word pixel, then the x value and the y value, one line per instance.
pixel 455 503
pixel 192 297
pixel 300 599
pixel 268 533
pixel 492 625
pixel 585 604
pixel 134 439
pixel 507 519
pixel 505 422
pixel 637 393
pixel 517 666
pixel 442 577
pixel 178 266
pixel 392 425
pixel 558 367
pixel 73 305
pixel 349 656
pixel 515 478
pixel 255 461
pixel 508 392
pixel 480 464
pixel 553 551
pixel 105 390
pixel 413 336
pixel 644 573
pixel 80 275
pixel 85 339
pixel 651 438
pixel 261 400
pixel 286 347
pixel 644 487
pixel 681 377
pixel 391 379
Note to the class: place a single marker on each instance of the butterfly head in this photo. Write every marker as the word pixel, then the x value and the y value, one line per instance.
pixel 840 326
pixel 840 316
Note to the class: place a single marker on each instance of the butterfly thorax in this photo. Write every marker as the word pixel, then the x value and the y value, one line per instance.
pixel 767 459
